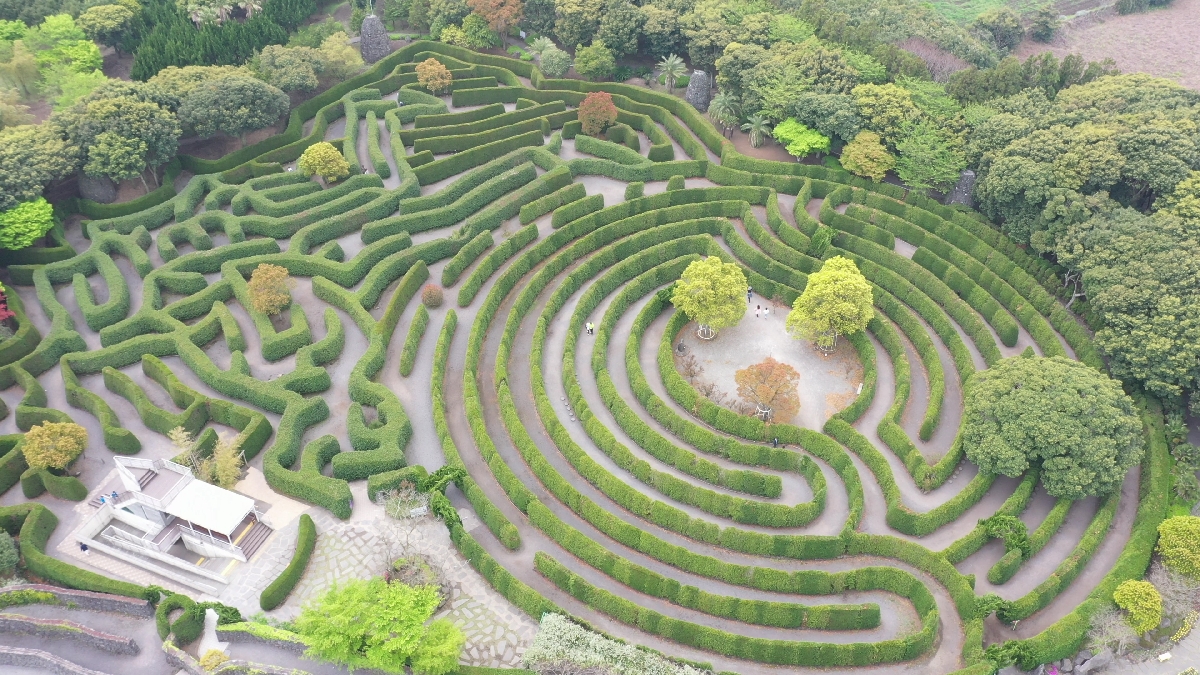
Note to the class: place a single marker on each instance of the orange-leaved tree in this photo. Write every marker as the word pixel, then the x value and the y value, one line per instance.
pixel 499 14
pixel 771 387
pixel 597 112
pixel 432 75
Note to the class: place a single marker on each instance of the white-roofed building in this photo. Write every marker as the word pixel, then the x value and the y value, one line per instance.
pixel 165 514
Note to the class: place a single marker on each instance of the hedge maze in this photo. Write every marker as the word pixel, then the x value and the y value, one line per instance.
pixel 604 485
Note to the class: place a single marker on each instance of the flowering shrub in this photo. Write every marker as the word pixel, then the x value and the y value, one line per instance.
pixel 561 640
pixel 5 312
pixel 1189 622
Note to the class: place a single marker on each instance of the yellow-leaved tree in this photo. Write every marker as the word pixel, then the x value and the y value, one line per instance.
pixel 324 160
pixel 54 445
pixel 711 293
pixel 270 288
pixel 836 301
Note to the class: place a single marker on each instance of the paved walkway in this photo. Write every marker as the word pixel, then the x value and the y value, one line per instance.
pixel 1184 655
pixel 497 632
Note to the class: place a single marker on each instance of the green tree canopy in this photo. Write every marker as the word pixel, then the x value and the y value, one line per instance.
pixel 578 20
pixel 866 156
pixel 106 24
pixel 179 82
pixel 289 68
pixel 1004 27
pixel 375 624
pixel 620 27
pixel 930 156
pixel 25 223
pixel 836 301
pixel 54 445
pixel 1072 420
pixel 885 109
pixel 1139 273
pixel 116 157
pixel 712 293
pixel 708 30
pixel 830 114
pixel 233 105
pixel 595 61
pixel 1179 544
pixel 799 140
pixel 661 30
pixel 133 110
pixel 1131 136
pixel 31 156
pixel 1142 603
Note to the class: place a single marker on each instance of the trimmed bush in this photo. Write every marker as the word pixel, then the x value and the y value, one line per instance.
pixel 415 331
pixel 277 591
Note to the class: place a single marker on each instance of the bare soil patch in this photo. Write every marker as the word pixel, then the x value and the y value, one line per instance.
pixel 1160 42
pixel 768 150
pixel 220 145
pixel 117 67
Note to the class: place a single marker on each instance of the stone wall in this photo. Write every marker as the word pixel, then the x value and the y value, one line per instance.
pixel 69 630
pixel 96 602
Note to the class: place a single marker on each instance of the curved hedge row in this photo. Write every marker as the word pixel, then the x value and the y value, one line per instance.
pixel 277 591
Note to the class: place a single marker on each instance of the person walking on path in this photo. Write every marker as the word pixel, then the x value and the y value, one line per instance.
pixel 757 311
pixel 749 294
pixel 84 547
pixel 766 311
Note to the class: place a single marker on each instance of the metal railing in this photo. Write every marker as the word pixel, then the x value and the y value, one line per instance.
pixel 221 543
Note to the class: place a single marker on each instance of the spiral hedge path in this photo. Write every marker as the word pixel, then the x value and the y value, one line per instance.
pixel 607 487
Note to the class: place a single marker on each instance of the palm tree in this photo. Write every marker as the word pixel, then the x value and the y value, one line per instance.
pixel 759 129
pixel 224 9
pixel 251 7
pixel 672 68
pixel 723 111
pixel 540 45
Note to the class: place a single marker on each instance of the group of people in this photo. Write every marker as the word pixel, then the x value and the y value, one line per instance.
pixel 759 310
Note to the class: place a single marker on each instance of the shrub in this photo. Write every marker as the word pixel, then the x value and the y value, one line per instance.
pixel 324 160
pixel 431 296
pixel 306 540
pixel 8 555
pixel 213 658
pixel 595 61
pixel 25 223
pixel 597 112
pixel 54 445
pixel 1179 544
pixel 270 288
pixel 1142 602
pixel 555 62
